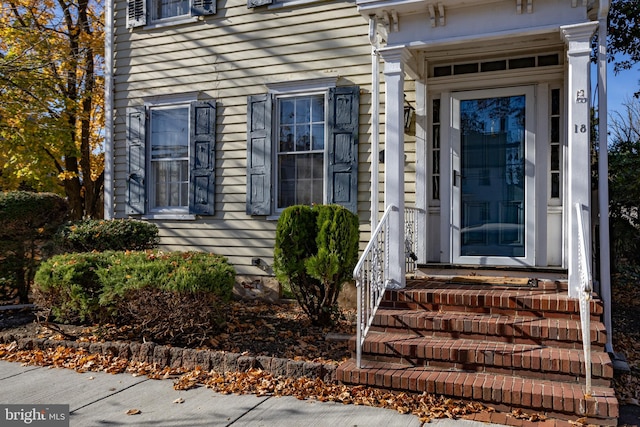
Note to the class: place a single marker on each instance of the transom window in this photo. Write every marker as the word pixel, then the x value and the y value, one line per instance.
pixel 169 158
pixel 300 150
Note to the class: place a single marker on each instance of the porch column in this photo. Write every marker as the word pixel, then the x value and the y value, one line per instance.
pixel 578 180
pixel 394 59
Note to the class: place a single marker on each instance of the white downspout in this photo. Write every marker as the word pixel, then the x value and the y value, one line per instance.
pixel 603 172
pixel 108 193
pixel 375 120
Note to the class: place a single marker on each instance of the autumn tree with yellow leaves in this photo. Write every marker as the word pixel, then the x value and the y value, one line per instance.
pixel 51 100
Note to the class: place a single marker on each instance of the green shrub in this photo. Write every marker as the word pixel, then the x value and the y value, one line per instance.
pixel 315 252
pixel 27 222
pixel 69 286
pixel 107 235
pixel 90 287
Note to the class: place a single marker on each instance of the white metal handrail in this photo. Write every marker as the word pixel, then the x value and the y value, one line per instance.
pixel 371 275
pixel 586 288
pixel 371 272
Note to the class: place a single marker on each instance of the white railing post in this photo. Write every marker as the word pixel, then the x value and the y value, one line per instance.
pixel 586 287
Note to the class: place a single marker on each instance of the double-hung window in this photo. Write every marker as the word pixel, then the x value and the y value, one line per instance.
pixel 170 159
pixel 302 148
pixel 142 12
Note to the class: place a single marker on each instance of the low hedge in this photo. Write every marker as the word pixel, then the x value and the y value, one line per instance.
pixel 107 235
pixel 89 287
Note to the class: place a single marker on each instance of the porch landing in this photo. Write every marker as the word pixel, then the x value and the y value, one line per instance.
pixel 511 344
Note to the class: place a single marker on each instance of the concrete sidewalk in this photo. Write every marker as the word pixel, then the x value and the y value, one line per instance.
pixel 100 399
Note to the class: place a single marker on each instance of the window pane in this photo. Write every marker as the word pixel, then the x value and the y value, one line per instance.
pixel 555 185
pixel 436 111
pixel 286 138
pixel 492 189
pixel 300 178
pixel 286 180
pixel 555 129
pixel 303 138
pixel 555 102
pixel 303 110
pixel 317 109
pixel 287 111
pixel 171 182
pixel 317 137
pixel 169 133
pixel 170 8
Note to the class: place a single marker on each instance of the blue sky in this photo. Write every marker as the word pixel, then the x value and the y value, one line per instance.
pixel 621 86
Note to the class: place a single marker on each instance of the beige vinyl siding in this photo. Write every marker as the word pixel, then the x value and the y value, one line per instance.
pixel 227 57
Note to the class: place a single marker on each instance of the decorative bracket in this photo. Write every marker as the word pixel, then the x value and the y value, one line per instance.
pixel 436 17
pixel 389 21
pixel 529 5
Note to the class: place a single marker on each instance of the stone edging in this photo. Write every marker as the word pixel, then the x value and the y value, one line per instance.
pixel 187 358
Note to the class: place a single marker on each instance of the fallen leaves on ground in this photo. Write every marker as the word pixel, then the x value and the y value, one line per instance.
pixel 254 381
pixel 262 383
pixel 626 335
pixel 521 415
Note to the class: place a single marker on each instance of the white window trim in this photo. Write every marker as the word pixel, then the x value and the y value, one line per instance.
pixel 173 217
pixel 168 101
pixel 295 87
pixel 171 22
pixel 289 3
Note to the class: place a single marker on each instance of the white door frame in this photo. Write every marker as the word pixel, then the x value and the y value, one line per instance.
pixel 530 197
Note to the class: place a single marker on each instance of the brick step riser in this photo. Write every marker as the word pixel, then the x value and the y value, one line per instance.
pixel 551 333
pixel 551 301
pixel 484 368
pixel 566 345
pixel 563 399
pixel 411 306
pixel 543 359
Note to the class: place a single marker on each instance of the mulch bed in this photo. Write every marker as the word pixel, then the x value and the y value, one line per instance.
pixel 252 328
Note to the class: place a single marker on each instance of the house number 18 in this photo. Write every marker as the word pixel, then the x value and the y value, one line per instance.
pixel 581 128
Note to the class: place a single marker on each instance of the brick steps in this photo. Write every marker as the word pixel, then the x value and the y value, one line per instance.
pixel 521 301
pixel 529 361
pixel 557 399
pixel 507 346
pixel 560 332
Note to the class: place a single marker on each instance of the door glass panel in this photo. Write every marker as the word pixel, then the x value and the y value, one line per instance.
pixel 492 173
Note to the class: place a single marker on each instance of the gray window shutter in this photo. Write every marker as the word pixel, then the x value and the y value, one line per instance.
pixel 202 158
pixel 203 7
pixel 259 154
pixel 342 170
pixel 258 3
pixel 136 150
pixel 136 13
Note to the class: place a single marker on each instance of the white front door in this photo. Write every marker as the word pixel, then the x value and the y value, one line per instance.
pixel 493 195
